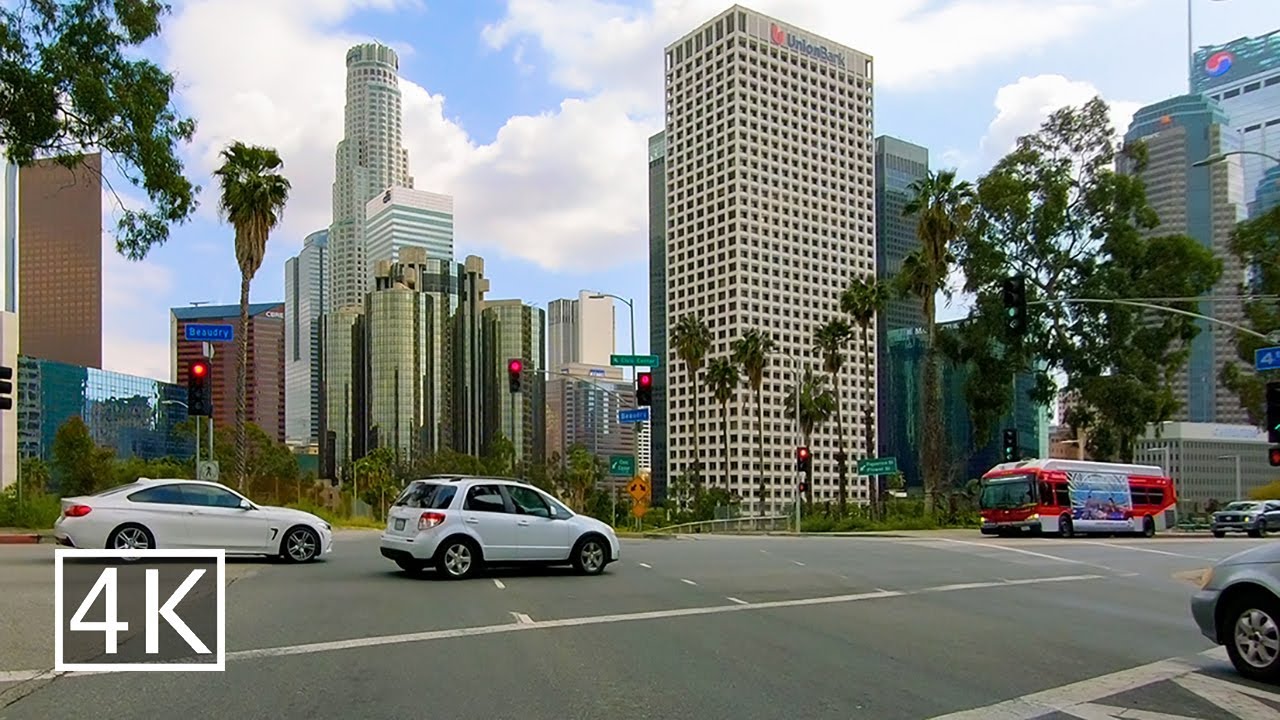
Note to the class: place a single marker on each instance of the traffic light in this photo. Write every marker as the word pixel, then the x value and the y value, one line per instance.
pixel 1014 296
pixel 644 389
pixel 803 459
pixel 1273 411
pixel 199 389
pixel 515 374
pixel 6 388
pixel 1274 455
pixel 804 487
pixel 1010 453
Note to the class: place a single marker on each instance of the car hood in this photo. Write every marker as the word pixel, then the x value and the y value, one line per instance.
pixel 1250 511
pixel 285 513
pixel 1269 553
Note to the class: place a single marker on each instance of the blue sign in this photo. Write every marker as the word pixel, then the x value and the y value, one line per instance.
pixel 634 416
pixel 597 372
pixel 1266 359
pixel 210 333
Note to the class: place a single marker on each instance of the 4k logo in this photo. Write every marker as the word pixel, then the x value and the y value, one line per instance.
pixel 139 610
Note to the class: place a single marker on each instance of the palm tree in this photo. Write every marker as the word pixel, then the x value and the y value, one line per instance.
pixel 830 340
pixel 253 197
pixel 723 377
pixel 942 207
pixel 751 351
pixel 863 301
pixel 692 339
pixel 817 403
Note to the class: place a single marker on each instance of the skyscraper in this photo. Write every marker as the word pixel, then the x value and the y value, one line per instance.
pixel 469 373
pixel 580 330
pixel 60 261
pixel 562 333
pixel 657 434
pixel 898 164
pixel 403 218
pixel 369 159
pixel 1205 203
pixel 512 329
pixel 770 209
pixel 1244 77
pixel 306 278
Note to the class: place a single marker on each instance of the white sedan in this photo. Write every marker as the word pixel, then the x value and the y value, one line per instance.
pixel 190 514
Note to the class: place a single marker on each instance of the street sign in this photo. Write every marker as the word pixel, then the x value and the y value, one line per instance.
pixel 638 489
pixel 210 333
pixel 596 372
pixel 639 509
pixel 634 360
pixel 878 466
pixel 207 471
pixel 637 415
pixel 1267 358
pixel 622 465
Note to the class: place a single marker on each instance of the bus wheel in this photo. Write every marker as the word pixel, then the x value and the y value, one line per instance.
pixel 1065 528
pixel 1148 527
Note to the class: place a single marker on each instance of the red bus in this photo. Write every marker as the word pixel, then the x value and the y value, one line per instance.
pixel 1073 497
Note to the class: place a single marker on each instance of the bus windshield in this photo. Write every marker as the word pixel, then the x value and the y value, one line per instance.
pixel 1006 492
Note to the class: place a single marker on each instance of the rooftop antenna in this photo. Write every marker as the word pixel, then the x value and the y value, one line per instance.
pixel 198 303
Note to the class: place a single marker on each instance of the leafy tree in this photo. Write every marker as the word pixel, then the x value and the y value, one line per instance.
pixel 269 462
pixel 376 474
pixel 80 467
pixel 1256 243
pixel 1270 491
pixel 582 474
pixel 942 207
pixel 33 476
pixel 129 469
pixel 723 377
pixel 71 79
pixel 817 404
pixel 501 459
pixel 752 352
pixel 691 339
pixel 830 340
pixel 1055 211
pixel 253 197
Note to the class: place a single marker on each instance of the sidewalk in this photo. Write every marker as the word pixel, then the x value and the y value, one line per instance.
pixel 24 536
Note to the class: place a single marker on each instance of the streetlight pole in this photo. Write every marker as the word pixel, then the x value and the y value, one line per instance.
pixel 1219 157
pixel 631 309
pixel 1239 486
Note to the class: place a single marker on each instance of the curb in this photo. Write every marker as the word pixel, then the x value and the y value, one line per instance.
pixel 24 539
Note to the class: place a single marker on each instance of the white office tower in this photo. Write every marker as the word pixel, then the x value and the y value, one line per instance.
pixel 580 331
pixel 770 213
pixel 306 280
pixel 402 218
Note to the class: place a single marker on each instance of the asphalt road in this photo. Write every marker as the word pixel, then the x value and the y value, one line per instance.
pixel 715 627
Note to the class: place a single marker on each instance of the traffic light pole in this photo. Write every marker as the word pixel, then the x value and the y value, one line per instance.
pixel 1153 306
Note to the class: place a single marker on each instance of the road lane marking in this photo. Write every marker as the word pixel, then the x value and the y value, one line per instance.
pixel 798 563
pixel 521 618
pixel 1032 553
pixel 1235 699
pixel 646 565
pixel 688 582
pixel 736 600
pixel 766 552
pixel 1140 549
pixel 498 582
pixel 20 675
pixel 432 635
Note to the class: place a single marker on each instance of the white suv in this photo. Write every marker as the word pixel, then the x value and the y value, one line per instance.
pixel 458 523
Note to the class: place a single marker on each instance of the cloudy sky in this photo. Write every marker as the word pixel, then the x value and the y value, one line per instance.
pixel 534 115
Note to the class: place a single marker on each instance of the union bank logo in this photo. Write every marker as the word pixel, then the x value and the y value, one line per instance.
pixel 790 40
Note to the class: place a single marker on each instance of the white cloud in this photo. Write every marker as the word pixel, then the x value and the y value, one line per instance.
pixel 131 312
pixel 1022 106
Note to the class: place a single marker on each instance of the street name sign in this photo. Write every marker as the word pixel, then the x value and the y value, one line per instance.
pixel 209 333
pixel 622 465
pixel 637 415
pixel 878 466
pixel 634 360
pixel 1267 358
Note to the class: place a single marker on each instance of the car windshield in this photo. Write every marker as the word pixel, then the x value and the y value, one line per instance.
pixel 426 496
pixel 1006 493
pixel 1243 506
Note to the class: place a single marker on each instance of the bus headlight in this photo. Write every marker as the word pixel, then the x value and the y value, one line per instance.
pixel 1033 516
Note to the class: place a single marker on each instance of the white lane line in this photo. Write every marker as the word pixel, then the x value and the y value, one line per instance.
pixel 431 635
pixel 1239 700
pixel 688 582
pixel 798 563
pixel 498 582
pixel 20 675
pixel 1141 549
pixel 646 565
pixel 766 552
pixel 1056 699
pixel 736 600
pixel 1042 556
pixel 521 618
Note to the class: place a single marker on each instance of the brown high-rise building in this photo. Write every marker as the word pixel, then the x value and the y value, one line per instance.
pixel 264 377
pixel 60 262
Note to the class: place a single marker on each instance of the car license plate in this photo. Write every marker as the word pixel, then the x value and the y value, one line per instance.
pixel 399 523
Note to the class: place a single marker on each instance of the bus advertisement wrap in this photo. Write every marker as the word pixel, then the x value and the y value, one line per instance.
pixel 1100 501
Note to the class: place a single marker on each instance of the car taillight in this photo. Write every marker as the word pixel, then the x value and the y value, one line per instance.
pixel 78 511
pixel 430 520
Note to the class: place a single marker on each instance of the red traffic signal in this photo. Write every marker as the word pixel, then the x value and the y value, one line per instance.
pixel 199 369
pixel 1274 455
pixel 644 389
pixel 199 389
pixel 645 379
pixel 515 374
pixel 515 366
pixel 802 459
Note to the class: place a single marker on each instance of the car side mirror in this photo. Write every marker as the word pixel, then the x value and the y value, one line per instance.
pixel 245 504
pixel 552 510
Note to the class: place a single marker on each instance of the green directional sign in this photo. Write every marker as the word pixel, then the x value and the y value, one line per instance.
pixel 878 466
pixel 622 465
pixel 633 360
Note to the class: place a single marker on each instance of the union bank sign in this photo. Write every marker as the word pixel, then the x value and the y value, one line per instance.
pixel 781 37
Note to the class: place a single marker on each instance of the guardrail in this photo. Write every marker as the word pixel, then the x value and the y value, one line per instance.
pixel 731 525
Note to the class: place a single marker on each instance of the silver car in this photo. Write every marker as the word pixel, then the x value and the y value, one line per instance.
pixel 1238 605
pixel 1255 517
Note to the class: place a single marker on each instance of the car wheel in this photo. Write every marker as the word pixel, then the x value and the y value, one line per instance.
pixel 1254 533
pixel 591 555
pixel 1219 533
pixel 1065 527
pixel 131 536
pixel 301 545
pixel 458 559
pixel 1253 637
pixel 1148 527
